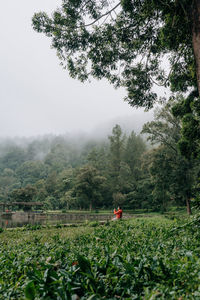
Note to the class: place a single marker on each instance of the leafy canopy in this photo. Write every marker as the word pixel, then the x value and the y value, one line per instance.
pixel 125 42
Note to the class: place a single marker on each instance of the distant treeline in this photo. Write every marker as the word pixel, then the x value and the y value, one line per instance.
pixel 120 170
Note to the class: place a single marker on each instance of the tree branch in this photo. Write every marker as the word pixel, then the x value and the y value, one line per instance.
pixel 103 15
pixel 157 137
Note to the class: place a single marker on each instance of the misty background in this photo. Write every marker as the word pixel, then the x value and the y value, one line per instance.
pixel 38 97
pixel 56 132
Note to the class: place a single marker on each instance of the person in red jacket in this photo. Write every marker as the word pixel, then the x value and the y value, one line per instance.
pixel 118 213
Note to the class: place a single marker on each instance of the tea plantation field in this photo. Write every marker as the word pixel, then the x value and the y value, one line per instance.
pixel 149 258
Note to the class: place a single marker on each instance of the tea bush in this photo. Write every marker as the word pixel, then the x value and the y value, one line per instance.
pixel 152 258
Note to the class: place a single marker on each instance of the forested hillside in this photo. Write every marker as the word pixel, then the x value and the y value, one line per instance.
pixel 90 174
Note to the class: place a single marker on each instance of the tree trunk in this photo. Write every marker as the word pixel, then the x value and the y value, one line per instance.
pixel 196 39
pixel 189 211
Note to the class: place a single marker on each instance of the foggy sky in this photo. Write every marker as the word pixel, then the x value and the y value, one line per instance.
pixel 37 96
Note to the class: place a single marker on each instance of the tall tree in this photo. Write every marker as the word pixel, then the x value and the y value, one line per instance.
pixel 188 109
pixel 134 149
pixel 125 41
pixel 88 186
pixel 99 159
pixel 116 155
pixel 161 170
pixel 26 194
pixel 177 174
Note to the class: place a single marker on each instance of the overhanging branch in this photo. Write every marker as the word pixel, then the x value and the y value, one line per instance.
pixel 103 15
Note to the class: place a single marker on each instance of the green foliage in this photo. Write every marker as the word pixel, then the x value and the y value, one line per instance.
pixel 25 194
pixel 139 258
pixel 117 171
pixel 93 224
pixel 31 171
pixel 32 227
pixel 189 111
pixel 173 176
pixel 13 158
pixel 116 149
pixel 196 199
pixel 30 291
pixel 106 39
pixel 55 171
pixel 135 147
pixel 88 186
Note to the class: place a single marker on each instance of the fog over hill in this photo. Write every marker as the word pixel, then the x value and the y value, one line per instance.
pixel 128 123
pixel 131 122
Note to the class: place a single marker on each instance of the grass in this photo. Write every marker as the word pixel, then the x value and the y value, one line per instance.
pixel 139 258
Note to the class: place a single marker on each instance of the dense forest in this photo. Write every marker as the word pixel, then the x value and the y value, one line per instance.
pixel 122 169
